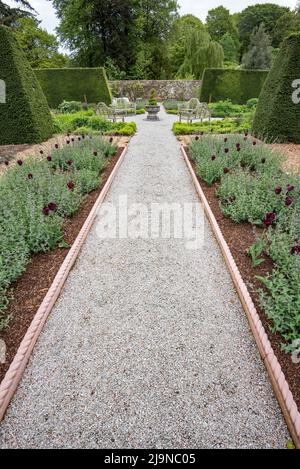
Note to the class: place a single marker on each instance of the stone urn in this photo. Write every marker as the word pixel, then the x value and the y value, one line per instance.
pixel 152 110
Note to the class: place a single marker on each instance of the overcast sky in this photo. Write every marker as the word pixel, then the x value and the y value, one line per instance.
pixel 197 7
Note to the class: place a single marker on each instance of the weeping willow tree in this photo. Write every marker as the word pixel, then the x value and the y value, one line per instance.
pixel 201 52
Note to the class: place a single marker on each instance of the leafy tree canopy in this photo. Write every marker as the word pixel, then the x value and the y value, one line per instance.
pixel 9 15
pixel 219 22
pixel 259 54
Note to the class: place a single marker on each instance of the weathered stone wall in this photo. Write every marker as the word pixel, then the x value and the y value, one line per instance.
pixel 166 89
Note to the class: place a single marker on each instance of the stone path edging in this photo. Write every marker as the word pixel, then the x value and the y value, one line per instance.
pixel 14 374
pixel 276 375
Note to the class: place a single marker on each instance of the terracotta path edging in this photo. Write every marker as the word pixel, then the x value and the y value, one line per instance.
pixel 15 372
pixel 276 375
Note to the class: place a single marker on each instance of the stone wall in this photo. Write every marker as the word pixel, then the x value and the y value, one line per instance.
pixel 166 89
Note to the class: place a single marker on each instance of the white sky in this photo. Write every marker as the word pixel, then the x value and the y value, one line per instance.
pixel 196 7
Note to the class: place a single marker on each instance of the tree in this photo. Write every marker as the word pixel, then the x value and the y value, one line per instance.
pixel 219 22
pixel 129 32
pixel 9 15
pixel 253 16
pixel 287 24
pixel 229 48
pixel 181 28
pixel 40 47
pixel 200 53
pixel 259 54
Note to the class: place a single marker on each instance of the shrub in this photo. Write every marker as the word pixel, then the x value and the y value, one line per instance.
pixel 277 116
pixel 74 84
pixel 225 126
pixel 25 117
pixel 37 195
pixel 227 109
pixel 252 103
pixel 237 85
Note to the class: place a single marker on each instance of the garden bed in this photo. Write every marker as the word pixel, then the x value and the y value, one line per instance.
pixel 29 290
pixel 240 237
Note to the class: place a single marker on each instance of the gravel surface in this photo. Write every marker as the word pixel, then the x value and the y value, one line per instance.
pixel 148 345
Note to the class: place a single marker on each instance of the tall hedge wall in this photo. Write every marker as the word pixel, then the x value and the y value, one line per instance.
pixel 278 112
pixel 25 116
pixel 74 84
pixel 238 85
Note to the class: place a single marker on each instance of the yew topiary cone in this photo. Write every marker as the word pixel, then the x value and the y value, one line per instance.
pixel 277 116
pixel 24 113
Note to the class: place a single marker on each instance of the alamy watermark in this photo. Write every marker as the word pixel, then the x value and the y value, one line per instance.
pixel 152 221
pixel 2 92
pixel 296 93
pixel 296 352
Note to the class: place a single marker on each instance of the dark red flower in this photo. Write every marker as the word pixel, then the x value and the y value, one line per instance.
pixel 225 139
pixel 30 176
pixel 68 142
pixel 111 139
pixel 196 138
pixel 20 162
pixel 278 190
pixel 263 160
pixel 49 158
pixel 46 211
pixel 41 152
pixel 95 153
pixel 79 139
pixel 295 249
pixel 52 206
pixel 238 145
pixel 290 188
pixel 72 139
pixel 83 137
pixel 56 145
pixel 226 170
pixel 68 135
pixel 69 162
pixel 246 134
pixel 254 142
pixel 6 163
pixel 213 157
pixel 289 201
pixel 238 148
pixel 269 219
pixel 226 150
pixel 70 185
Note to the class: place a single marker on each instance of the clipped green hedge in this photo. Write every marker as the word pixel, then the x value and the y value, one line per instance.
pixel 25 116
pixel 74 84
pixel 239 86
pixel 278 116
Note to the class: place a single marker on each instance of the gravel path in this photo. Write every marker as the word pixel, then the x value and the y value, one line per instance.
pixel 148 345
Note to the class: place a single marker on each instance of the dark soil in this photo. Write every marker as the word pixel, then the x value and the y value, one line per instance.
pixel 30 289
pixel 239 238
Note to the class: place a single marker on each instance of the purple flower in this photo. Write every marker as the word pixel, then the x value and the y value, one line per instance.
pixel 226 170
pixel 225 139
pixel 269 219
pixel 49 158
pixel 30 176
pixel 52 206
pixel 95 153
pixel 263 160
pixel 254 142
pixel 111 139
pixel 213 157
pixel 41 152
pixel 289 201
pixel 72 139
pixel 46 211
pixel 290 188
pixel 278 190
pixel 6 163
pixel 70 185
pixel 79 138
pixel 69 162
pixel 20 162
pixel 68 142
pixel 196 138
pixel 56 145
pixel 226 150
